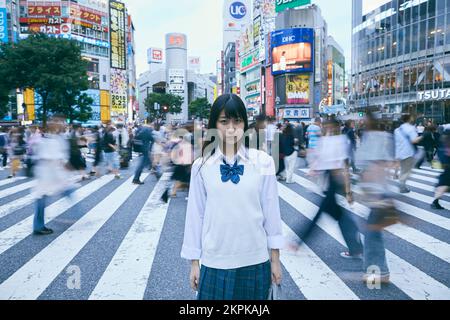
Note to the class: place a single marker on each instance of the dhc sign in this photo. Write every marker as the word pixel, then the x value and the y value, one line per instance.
pixel 238 10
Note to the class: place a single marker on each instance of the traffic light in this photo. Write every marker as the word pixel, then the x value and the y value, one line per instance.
pixel 361 114
pixel 165 109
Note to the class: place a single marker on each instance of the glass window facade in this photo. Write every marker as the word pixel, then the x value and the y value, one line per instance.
pixel 400 49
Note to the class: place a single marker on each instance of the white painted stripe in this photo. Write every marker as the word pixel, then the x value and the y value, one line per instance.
pixel 37 274
pixel 419 213
pixel 420 186
pixel 311 275
pixel 16 233
pixel 429 173
pixel 426 242
pixel 412 281
pixel 420 197
pixel 18 188
pixel 433 170
pixel 15 205
pixel 422 178
pixel 10 181
pixel 127 274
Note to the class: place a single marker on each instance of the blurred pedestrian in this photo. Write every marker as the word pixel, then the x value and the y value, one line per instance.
pixel 111 151
pixel 52 175
pixel 444 179
pixel 144 139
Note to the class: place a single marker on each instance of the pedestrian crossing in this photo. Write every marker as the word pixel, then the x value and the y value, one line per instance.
pixel 138 255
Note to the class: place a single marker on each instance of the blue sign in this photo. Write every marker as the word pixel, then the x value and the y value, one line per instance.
pixel 3 26
pixel 238 10
pixel 292 51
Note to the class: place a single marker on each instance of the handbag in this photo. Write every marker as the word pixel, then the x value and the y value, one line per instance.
pixel 381 218
pixel 275 292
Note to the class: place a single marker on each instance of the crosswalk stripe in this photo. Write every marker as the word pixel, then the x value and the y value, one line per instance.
pixel 311 275
pixel 428 173
pixel 16 233
pixel 127 274
pixel 426 242
pixel 421 177
pixel 404 207
pixel 11 181
pixel 430 169
pixel 412 281
pixel 18 188
pixel 421 197
pixel 37 274
pixel 15 205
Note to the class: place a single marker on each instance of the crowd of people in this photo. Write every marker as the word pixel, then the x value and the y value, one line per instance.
pixel 228 170
pixel 60 156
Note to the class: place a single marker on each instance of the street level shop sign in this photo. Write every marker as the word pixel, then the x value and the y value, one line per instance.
pixel 438 94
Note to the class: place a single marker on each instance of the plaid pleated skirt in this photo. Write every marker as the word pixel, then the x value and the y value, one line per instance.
pixel 247 283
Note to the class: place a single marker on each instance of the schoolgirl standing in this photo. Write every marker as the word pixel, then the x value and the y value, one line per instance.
pixel 233 225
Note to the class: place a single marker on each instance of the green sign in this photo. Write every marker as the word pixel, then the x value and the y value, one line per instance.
pixel 287 4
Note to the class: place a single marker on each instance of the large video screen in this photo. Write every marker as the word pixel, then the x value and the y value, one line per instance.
pixel 292 51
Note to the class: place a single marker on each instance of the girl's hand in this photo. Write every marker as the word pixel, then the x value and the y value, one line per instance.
pixel 195 275
pixel 276 272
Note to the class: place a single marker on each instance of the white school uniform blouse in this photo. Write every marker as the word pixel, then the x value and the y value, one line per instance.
pixel 229 225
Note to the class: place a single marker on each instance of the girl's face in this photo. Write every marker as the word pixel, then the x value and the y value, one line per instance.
pixel 231 131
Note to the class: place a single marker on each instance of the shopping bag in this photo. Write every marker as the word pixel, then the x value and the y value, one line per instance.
pixel 275 292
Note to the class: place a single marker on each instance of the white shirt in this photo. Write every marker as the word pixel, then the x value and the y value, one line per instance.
pixel 332 151
pixel 229 225
pixel 404 136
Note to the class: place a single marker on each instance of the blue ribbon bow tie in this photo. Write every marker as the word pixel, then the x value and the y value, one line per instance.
pixel 232 173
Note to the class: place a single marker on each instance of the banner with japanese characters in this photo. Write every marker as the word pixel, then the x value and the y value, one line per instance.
pixel 118 35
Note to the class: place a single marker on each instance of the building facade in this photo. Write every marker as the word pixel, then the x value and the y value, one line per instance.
pixel 230 82
pixel 171 71
pixel 335 73
pixel 299 62
pixel 9 20
pixel 401 57
pixel 105 33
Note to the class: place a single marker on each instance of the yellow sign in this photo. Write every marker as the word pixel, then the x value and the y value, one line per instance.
pixel 119 103
pixel 28 99
pixel 105 110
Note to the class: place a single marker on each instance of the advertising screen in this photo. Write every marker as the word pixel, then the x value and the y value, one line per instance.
pixel 297 89
pixel 292 51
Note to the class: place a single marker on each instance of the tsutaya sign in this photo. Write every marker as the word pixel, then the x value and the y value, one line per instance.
pixel 438 94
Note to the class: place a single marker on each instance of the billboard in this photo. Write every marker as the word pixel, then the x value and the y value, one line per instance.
pixel 282 5
pixel 3 22
pixel 155 55
pixel 292 51
pixel 119 91
pixel 118 35
pixel 298 89
pixel 177 81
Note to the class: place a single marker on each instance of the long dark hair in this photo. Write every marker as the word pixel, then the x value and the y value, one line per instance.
pixel 234 108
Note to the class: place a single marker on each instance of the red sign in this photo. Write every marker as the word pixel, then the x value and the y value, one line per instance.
pixel 176 40
pixel 157 55
pixel 44 11
pixel 85 15
pixel 270 93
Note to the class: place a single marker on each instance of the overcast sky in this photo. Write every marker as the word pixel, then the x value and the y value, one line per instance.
pixel 201 21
